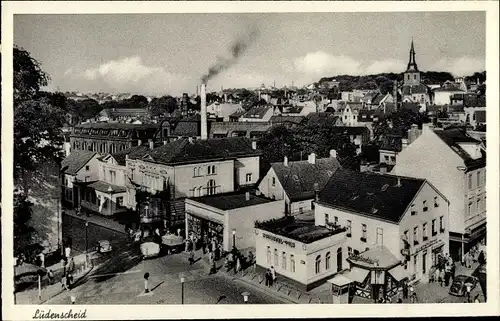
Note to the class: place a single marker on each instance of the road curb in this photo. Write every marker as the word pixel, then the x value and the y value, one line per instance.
pixel 62 291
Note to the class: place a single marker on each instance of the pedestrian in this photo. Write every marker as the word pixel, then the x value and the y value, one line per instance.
pixel 452 272
pixel 216 253
pixel 476 299
pixel 42 260
pixel 237 265
pixel 273 274
pixel 67 252
pixel 71 265
pixel 64 283
pixel 50 276
pixel 191 257
pixel 178 232
pixel 267 277
pixel 447 273
pixel 414 298
pixel 468 288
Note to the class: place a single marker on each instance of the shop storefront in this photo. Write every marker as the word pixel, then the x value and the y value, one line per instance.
pixel 203 227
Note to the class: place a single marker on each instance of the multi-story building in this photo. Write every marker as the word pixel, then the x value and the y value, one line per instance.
pixel 459 171
pixel 297 182
pixel 408 216
pixel 106 138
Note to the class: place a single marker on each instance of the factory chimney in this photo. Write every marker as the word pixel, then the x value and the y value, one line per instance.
pixel 395 94
pixel 203 111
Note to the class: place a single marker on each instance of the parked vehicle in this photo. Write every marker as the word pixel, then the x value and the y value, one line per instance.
pixel 103 246
pixel 458 287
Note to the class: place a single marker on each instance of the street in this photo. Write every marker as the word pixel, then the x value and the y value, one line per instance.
pixel 120 281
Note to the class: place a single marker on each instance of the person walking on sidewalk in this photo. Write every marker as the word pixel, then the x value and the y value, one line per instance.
pixel 447 273
pixel 273 274
pixel 267 277
pixel 50 276
pixel 191 257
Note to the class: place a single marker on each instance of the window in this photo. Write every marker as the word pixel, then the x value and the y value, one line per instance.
pixel 268 255
pixel 434 227
pixel 414 76
pixel 349 251
pixel 415 235
pixel 469 208
pixel 339 259
pixel 87 168
pixel 413 211
pixel 327 218
pixel 470 181
pixel 386 158
pixel 276 259
pixel 336 219
pixel 119 201
pixel 318 264
pixel 249 177
pixel 292 262
pixel 436 204
pixel 478 178
pixel 195 172
pixel 441 224
pixel 415 263
pixel 274 181
pixel 211 188
pixel 211 170
pixel 380 236
pixel 424 205
pixel 424 232
pixel 407 236
pixel 363 232
pixel 327 260
pixel 349 228
pixel 283 261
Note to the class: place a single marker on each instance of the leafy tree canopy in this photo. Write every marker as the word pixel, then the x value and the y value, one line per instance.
pixel 162 105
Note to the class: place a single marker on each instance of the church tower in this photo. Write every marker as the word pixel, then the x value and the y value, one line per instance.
pixel 412 74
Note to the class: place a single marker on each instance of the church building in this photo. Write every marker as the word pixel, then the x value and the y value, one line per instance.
pixel 413 90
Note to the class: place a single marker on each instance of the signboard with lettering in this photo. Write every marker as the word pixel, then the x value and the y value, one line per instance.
pixel 278 240
pixel 427 245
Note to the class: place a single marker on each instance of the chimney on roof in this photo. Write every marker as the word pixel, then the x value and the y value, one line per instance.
pixel 312 158
pixel 399 182
pixel 285 161
pixel 254 144
pixel 151 144
pixel 333 153
pixel 247 196
pixel 203 111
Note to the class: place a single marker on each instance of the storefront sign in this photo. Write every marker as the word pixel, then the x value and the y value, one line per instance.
pixel 425 246
pixel 278 240
pixel 360 258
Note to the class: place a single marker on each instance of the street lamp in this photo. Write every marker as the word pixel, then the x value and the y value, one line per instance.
pixel 86 243
pixel 245 296
pixel 234 238
pixel 182 290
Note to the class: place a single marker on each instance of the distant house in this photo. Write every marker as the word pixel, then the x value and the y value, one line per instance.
pixel 238 129
pixel 259 114
pixel 322 118
pixel 358 135
pixel 234 117
pixel 443 95
pixel 223 110
pixel 349 114
pixel 474 116
pixel 297 182
pixel 391 146
pixel 123 114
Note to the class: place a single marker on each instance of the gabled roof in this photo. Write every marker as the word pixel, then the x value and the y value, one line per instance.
pixel 277 119
pixel 453 136
pixel 414 89
pixel 183 151
pixel 298 178
pixel 257 112
pixel 374 195
pixel 133 152
pixel 125 112
pixel 76 160
pixel 237 114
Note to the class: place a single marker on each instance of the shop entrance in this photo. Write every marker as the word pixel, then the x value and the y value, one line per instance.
pixel 205 229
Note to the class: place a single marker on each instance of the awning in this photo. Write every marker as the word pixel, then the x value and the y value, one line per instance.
pixel 357 274
pixel 398 273
pixel 340 280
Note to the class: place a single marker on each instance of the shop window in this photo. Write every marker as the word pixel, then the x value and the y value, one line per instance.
pixel 283 261
pixel 276 259
pixel 328 258
pixel 318 264
pixel 292 263
pixel 268 255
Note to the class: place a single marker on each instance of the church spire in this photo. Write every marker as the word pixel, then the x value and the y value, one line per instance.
pixel 412 64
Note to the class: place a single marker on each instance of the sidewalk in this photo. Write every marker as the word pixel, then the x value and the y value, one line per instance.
pixel 30 296
pixel 98 220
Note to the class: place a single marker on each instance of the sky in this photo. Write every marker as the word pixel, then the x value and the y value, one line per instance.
pixel 159 54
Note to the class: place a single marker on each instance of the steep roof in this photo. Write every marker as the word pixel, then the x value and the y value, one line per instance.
pixel 76 160
pixel 298 178
pixel 257 112
pixel 183 151
pixel 117 126
pixel 374 195
pixel 133 152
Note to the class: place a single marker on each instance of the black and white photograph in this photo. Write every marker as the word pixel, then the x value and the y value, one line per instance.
pixel 249 157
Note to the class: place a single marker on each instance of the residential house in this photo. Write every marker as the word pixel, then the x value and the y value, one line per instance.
pixel 79 166
pixel 443 95
pixel 459 172
pixel 408 216
pixel 259 114
pixel 359 135
pixel 223 110
pixel 390 147
pixel 297 182
pixel 238 129
pixel 349 114
pixel 284 119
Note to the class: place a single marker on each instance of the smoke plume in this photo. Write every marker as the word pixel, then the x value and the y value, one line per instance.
pixel 237 49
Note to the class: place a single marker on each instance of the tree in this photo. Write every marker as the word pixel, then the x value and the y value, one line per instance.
pixel 277 143
pixel 24 234
pixel 162 105
pixel 84 109
pixel 137 101
pixel 398 123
